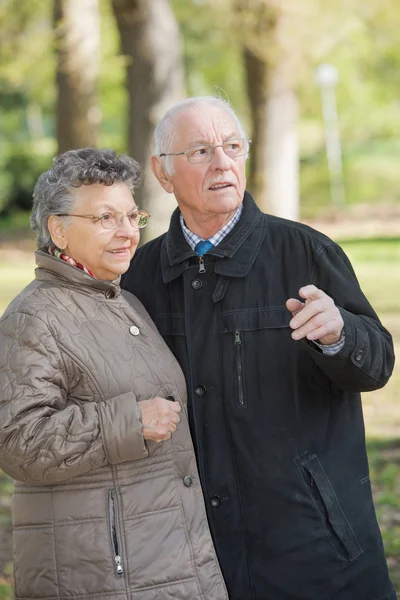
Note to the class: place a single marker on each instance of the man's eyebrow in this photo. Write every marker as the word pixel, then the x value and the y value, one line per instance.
pixel 198 142
pixel 201 141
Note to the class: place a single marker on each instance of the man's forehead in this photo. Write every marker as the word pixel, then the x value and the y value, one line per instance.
pixel 204 123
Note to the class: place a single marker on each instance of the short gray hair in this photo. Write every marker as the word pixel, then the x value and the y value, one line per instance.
pixel 54 191
pixel 164 131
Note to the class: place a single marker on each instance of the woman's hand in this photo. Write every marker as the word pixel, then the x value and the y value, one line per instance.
pixel 159 418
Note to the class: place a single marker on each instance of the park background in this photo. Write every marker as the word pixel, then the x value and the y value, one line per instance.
pixel 75 73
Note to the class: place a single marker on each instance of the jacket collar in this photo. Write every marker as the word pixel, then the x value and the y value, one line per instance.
pixel 235 254
pixel 49 267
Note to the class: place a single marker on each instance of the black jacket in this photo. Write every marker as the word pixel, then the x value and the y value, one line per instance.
pixel 277 425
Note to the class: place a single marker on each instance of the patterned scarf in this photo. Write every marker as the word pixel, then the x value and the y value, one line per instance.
pixel 59 254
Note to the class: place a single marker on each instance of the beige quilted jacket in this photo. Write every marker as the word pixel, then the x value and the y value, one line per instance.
pixel 98 513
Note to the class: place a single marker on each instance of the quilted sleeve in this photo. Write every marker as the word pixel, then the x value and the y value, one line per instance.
pixel 46 437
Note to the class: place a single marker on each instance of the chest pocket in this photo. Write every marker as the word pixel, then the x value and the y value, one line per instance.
pixel 249 337
pixel 252 319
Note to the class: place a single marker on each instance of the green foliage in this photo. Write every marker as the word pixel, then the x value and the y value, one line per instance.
pixel 212 54
pixel 384 458
pixel 22 164
pixel 359 38
pixel 17 275
pixel 26 57
pixel 363 45
pixel 5 590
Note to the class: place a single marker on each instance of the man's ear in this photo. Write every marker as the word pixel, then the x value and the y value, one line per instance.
pixel 158 169
pixel 58 231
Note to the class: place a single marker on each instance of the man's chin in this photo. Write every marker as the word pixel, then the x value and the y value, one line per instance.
pixel 224 203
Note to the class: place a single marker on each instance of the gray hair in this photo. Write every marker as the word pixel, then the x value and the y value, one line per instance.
pixel 164 131
pixel 54 191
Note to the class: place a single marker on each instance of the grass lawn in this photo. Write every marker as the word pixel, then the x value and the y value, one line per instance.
pixel 377 264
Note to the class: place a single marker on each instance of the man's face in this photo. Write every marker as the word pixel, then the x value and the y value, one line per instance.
pixel 208 189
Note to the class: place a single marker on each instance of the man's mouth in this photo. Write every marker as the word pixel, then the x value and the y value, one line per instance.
pixel 220 186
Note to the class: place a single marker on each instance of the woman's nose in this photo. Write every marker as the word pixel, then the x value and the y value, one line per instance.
pixel 125 229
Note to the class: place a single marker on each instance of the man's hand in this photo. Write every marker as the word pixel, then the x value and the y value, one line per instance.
pixel 317 319
pixel 159 418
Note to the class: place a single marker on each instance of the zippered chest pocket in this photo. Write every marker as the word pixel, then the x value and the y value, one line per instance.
pixel 253 334
pixel 239 368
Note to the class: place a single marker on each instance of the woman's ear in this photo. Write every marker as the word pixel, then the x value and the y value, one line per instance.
pixel 58 231
pixel 158 169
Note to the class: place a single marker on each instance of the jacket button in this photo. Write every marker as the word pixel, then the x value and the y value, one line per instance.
pixel 201 390
pixel 215 501
pixel 359 355
pixel 110 293
pixel 187 481
pixel 134 330
pixel 197 284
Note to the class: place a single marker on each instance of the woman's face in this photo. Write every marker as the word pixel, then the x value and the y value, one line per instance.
pixel 105 252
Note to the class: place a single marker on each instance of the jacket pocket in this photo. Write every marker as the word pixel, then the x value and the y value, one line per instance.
pixel 113 518
pixel 253 319
pixel 239 368
pixel 328 505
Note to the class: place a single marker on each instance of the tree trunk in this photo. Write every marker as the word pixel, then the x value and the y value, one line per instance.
pixel 283 152
pixel 77 25
pixel 155 79
pixel 271 80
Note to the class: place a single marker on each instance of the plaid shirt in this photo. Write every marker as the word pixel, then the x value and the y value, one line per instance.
pixel 193 239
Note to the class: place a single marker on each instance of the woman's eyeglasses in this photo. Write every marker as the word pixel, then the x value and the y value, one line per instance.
pixel 111 220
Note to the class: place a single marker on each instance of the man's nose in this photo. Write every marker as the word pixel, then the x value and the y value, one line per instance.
pixel 220 159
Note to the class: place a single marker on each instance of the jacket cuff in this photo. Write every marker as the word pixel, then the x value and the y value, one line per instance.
pixel 121 424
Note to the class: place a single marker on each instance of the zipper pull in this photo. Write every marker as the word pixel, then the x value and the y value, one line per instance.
pixel 118 562
pixel 202 268
pixel 237 337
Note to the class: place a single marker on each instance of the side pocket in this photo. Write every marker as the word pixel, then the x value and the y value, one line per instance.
pixel 329 506
pixel 113 515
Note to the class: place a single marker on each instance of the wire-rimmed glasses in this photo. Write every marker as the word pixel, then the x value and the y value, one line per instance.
pixel 205 152
pixel 111 220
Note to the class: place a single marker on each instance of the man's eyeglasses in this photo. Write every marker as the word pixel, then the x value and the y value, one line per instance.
pixel 111 220
pixel 205 152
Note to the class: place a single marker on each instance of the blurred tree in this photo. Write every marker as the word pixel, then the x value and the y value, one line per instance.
pixel 26 98
pixel 360 38
pixel 271 50
pixel 212 55
pixel 77 28
pixel 150 38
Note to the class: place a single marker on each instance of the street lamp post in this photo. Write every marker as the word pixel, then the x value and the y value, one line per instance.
pixel 326 77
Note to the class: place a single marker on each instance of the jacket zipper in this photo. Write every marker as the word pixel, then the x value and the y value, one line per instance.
pixel 114 530
pixel 202 268
pixel 239 367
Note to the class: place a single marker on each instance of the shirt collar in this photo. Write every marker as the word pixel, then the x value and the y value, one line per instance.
pixel 233 257
pixel 192 238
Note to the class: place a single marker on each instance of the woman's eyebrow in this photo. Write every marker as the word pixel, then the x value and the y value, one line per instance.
pixel 110 208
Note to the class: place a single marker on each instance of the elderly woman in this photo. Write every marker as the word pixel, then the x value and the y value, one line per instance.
pixel 107 501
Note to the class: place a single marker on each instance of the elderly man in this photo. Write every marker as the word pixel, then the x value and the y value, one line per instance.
pixel 277 341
